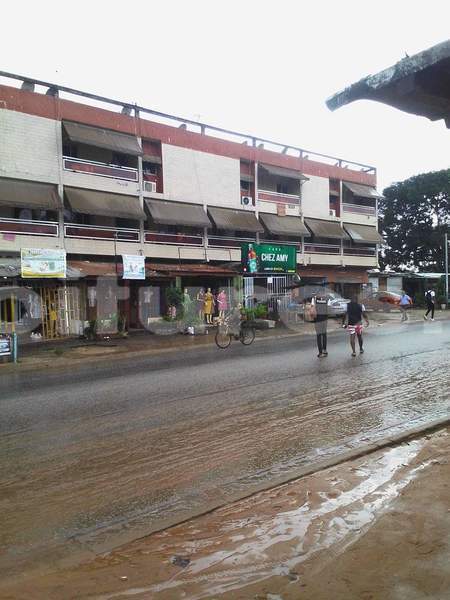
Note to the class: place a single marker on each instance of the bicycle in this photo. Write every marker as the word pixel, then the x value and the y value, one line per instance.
pixel 224 335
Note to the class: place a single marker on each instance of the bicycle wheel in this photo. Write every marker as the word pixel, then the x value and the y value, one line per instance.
pixel 247 336
pixel 223 338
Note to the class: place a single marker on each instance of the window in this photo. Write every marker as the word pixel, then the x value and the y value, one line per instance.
pixel 245 186
pixel 149 168
pixel 282 188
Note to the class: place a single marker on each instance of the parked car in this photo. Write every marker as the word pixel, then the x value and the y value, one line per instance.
pixel 337 306
pixel 382 301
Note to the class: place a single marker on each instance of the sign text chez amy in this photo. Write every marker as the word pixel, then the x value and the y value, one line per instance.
pixel 268 258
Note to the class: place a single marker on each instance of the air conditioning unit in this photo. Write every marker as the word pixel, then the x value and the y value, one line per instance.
pixel 332 212
pixel 247 202
pixel 149 186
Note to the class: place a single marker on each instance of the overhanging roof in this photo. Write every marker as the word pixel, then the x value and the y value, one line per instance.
pixel 102 138
pixel 235 220
pixel 282 172
pixel 165 212
pixel 418 84
pixel 363 234
pixel 291 226
pixel 106 204
pixel 363 191
pixel 326 229
pixel 28 194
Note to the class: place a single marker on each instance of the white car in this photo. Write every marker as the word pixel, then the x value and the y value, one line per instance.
pixel 337 306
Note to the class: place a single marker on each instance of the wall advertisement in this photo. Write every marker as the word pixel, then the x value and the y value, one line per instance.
pixel 43 263
pixel 268 258
pixel 133 266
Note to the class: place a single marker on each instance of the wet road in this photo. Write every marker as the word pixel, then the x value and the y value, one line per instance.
pixel 111 451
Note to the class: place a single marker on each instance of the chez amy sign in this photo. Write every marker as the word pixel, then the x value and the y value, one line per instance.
pixel 268 258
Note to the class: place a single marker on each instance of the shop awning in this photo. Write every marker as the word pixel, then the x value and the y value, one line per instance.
pixel 326 229
pixel 105 204
pixel 78 269
pixel 235 220
pixel 282 172
pixel 363 191
pixel 247 177
pixel 166 212
pixel 291 226
pixel 363 234
pixel 102 138
pixel 28 194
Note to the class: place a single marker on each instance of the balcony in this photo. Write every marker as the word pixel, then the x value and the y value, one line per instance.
pixel 359 209
pixel 278 197
pixel 176 239
pixel 79 165
pixel 108 234
pixel 25 227
pixel 227 242
pixel 311 248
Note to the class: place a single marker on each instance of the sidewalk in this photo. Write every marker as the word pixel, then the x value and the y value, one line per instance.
pixel 374 528
pixel 63 353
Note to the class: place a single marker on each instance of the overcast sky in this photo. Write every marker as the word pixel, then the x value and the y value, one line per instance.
pixel 262 67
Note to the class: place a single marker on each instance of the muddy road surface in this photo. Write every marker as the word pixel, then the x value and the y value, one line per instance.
pixel 109 452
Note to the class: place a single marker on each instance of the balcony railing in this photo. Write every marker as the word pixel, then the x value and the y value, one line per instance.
pixel 363 251
pixel 359 209
pixel 297 244
pixel 322 249
pixel 227 242
pixel 108 234
pixel 268 196
pixel 177 239
pixel 25 227
pixel 79 165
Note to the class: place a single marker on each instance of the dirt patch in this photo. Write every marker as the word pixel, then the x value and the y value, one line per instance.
pixel 374 528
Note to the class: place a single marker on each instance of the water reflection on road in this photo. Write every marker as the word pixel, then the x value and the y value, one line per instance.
pixel 128 456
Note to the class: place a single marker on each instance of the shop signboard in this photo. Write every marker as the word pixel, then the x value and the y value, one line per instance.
pixel 268 258
pixel 43 263
pixel 5 345
pixel 133 266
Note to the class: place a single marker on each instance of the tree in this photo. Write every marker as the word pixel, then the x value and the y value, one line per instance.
pixel 414 215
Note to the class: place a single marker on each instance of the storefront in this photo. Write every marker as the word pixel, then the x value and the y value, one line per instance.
pixel 269 271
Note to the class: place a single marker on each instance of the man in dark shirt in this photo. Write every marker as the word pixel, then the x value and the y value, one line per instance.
pixel 353 320
pixel 320 323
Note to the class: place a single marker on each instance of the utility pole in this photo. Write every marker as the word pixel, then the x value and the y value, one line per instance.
pixel 446 268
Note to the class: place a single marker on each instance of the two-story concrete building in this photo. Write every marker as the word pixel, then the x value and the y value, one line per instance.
pixel 100 178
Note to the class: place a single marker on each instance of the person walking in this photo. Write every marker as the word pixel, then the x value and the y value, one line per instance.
pixel 430 298
pixel 320 304
pixel 405 303
pixel 353 321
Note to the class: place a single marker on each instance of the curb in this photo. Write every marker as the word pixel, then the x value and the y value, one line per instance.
pixel 343 457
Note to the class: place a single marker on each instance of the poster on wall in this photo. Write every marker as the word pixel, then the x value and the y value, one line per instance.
pixel 42 263
pixel 5 345
pixel 268 258
pixel 133 266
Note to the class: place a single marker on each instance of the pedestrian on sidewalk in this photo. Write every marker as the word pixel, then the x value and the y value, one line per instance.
pixel 430 298
pixel 320 311
pixel 353 320
pixel 405 304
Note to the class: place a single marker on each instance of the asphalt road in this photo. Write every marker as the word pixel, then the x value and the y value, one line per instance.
pixel 113 450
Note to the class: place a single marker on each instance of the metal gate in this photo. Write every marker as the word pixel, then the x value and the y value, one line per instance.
pixel 278 293
pixel 249 292
pixel 71 310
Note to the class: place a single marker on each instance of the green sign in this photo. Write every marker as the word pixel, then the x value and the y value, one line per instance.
pixel 268 258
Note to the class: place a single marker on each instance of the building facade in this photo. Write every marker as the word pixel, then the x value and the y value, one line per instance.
pixel 99 179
